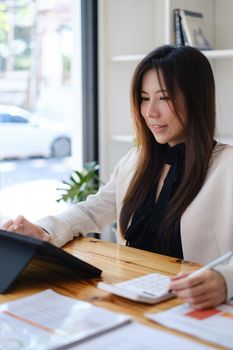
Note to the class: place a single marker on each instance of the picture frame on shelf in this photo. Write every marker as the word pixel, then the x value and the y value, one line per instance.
pixel 190 29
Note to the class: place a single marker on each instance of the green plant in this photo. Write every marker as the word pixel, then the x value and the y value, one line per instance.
pixel 81 184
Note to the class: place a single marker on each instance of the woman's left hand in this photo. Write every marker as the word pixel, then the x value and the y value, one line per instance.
pixel 201 291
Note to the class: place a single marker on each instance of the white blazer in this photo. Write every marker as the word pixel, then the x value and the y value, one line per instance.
pixel 206 225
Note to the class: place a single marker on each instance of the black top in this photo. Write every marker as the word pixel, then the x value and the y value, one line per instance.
pixel 146 228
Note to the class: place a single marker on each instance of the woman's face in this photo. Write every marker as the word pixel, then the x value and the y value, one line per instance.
pixel 159 113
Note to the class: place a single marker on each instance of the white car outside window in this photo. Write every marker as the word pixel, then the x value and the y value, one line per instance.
pixel 22 134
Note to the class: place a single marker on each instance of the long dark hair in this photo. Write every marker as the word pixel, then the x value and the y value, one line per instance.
pixel 185 69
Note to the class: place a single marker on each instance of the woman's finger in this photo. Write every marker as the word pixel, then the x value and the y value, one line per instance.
pixel 207 302
pixel 193 292
pixel 18 223
pixel 184 282
pixel 7 224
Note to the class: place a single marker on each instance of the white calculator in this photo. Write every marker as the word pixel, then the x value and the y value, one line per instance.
pixel 151 288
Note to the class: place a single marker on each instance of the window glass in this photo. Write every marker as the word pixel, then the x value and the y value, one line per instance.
pixel 16 119
pixel 37 85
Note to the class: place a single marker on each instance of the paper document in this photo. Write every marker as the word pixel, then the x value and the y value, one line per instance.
pixel 214 325
pixel 48 320
pixel 135 336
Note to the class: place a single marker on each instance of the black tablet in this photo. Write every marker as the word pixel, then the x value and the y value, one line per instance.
pixel 16 250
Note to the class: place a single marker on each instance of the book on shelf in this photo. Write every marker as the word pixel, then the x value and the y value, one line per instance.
pixel 180 39
pixel 189 29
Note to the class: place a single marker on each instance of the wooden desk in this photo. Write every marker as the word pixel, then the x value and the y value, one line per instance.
pixel 117 262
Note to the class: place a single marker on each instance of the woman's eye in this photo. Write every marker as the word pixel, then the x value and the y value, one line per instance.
pixel 164 98
pixel 144 98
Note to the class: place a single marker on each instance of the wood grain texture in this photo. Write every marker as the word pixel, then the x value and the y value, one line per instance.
pixel 118 263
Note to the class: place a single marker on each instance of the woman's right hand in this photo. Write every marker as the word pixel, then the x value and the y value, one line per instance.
pixel 22 225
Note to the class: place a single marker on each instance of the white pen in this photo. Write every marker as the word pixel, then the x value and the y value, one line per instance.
pixel 213 263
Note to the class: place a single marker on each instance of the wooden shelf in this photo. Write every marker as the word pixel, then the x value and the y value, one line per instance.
pixel 218 54
pixel 127 58
pixel 127 138
pixel 211 54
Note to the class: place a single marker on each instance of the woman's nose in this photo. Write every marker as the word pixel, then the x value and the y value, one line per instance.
pixel 152 110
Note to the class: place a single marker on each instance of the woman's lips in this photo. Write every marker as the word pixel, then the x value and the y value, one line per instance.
pixel 158 128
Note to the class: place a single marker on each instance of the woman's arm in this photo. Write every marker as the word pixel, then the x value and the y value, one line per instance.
pixel 91 215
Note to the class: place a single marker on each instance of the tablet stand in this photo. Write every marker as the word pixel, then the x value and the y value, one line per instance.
pixel 13 258
pixel 16 251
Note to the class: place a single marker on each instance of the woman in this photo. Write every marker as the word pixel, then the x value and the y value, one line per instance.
pixel 173 193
